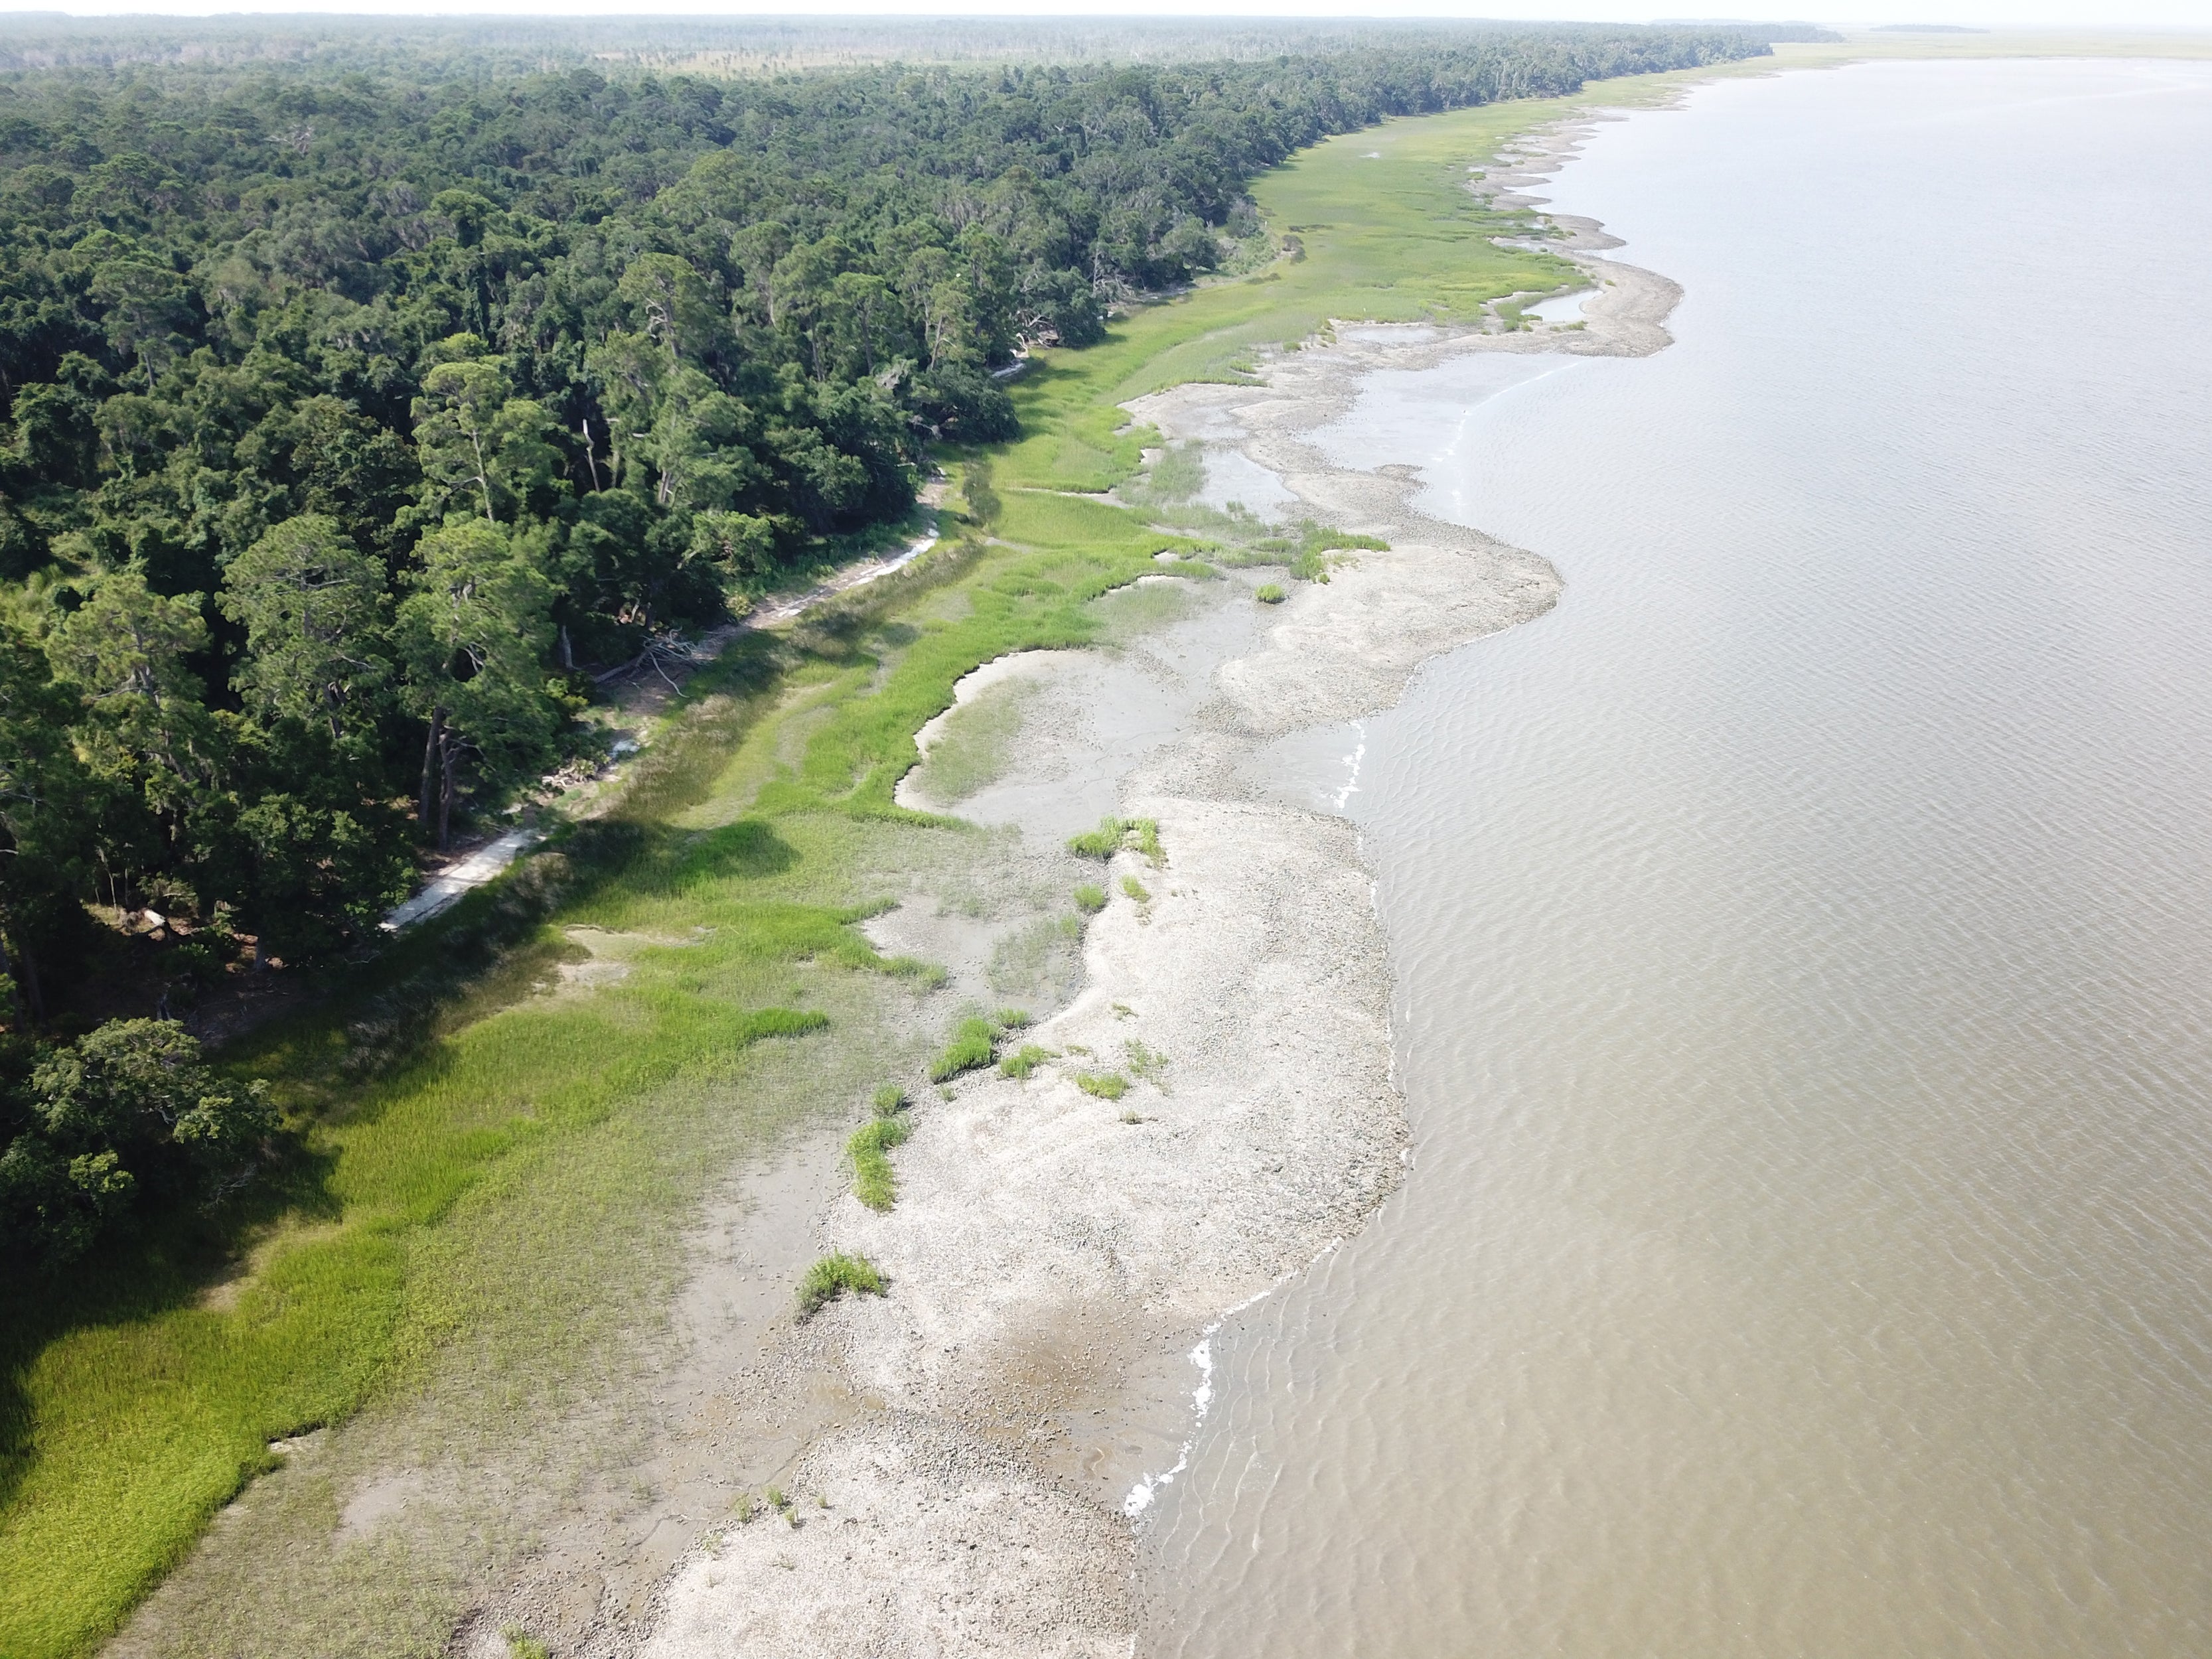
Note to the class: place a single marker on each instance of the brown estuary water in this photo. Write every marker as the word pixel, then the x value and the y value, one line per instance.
pixel 1803 937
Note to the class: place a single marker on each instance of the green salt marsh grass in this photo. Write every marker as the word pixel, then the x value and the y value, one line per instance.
pixel 972 1046
pixel 874 1181
pixel 1114 834
pixel 1024 1060
pixel 825 1281
pixel 497 1153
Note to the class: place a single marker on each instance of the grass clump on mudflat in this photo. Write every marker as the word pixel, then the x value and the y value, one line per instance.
pixel 973 1043
pixel 1308 549
pixel 1089 899
pixel 1024 1060
pixel 1113 835
pixel 1135 889
pixel 1311 548
pixel 829 1278
pixel 875 1182
pixel 1100 843
pixel 1106 1085
pixel 1144 1061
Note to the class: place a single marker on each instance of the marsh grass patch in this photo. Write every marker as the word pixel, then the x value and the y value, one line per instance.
pixel 1144 1062
pixel 1025 1060
pixel 831 1277
pixel 874 1181
pixel 1115 834
pixel 971 1046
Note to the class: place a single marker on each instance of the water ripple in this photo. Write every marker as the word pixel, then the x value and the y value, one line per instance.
pixel 1807 1248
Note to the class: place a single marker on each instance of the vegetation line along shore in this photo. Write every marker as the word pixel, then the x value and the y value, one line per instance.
pixel 359 417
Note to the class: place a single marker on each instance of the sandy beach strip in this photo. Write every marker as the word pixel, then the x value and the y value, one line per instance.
pixel 964 1461
pixel 1055 1256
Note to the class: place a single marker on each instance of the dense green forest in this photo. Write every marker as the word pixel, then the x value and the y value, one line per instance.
pixel 493 48
pixel 354 415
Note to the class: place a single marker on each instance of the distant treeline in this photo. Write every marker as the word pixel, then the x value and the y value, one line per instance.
pixel 350 419
pixel 505 48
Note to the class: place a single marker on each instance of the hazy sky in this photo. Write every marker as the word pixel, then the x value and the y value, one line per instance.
pixel 2112 14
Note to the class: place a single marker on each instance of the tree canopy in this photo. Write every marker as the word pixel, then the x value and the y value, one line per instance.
pixel 352 409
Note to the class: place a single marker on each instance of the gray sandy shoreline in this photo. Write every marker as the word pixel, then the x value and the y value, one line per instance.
pixel 1055 1258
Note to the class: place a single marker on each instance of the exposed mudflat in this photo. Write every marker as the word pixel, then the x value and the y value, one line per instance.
pixel 1054 1255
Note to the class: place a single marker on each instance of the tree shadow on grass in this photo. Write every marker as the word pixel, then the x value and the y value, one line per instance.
pixel 167 1256
pixel 652 860
pixel 493 949
pixel 487 952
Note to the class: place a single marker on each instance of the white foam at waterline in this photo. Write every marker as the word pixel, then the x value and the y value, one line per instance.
pixel 1353 760
pixel 1140 1495
pixel 1201 1399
